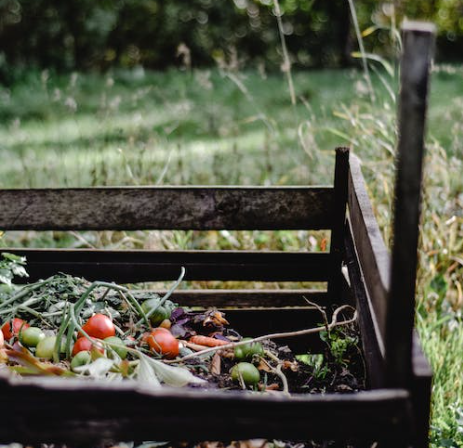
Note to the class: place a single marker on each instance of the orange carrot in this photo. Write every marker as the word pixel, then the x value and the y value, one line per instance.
pixel 207 341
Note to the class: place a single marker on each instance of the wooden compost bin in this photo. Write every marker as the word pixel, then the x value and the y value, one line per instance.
pixel 395 409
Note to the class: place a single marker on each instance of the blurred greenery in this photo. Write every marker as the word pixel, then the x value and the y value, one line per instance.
pixel 85 34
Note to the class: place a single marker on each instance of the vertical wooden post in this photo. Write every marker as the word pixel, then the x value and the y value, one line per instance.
pixel 341 174
pixel 418 44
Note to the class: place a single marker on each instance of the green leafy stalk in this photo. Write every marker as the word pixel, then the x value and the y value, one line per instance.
pixel 25 291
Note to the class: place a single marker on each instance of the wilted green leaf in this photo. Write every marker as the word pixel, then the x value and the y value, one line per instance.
pixel 146 373
pixel 170 375
pixel 96 369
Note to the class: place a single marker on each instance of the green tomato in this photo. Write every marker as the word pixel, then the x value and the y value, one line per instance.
pixel 46 347
pixel 239 354
pixel 169 306
pixel 31 336
pixel 247 351
pixel 159 315
pixel 247 371
pixel 117 344
pixel 81 359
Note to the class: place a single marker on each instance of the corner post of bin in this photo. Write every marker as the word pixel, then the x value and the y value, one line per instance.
pixel 418 46
pixel 341 175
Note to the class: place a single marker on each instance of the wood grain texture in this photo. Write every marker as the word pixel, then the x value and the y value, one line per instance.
pixel 181 208
pixel 341 174
pixel 371 338
pixel 257 322
pixel 239 298
pixel 144 266
pixel 418 44
pixel 421 393
pixel 372 254
pixel 60 411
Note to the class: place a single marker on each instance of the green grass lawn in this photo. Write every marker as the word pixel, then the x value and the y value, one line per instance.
pixel 211 127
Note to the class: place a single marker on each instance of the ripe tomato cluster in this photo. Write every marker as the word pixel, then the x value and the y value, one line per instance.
pixel 98 328
pixel 97 338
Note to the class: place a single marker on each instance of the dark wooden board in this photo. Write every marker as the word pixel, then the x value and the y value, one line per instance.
pixel 341 174
pixel 181 208
pixel 83 413
pixel 239 298
pixel 418 46
pixel 369 244
pixel 258 322
pixel 372 341
pixel 144 266
pixel 421 393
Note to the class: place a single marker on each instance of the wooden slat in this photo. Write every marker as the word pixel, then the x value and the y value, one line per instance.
pixel 257 322
pixel 371 338
pixel 418 45
pixel 144 266
pixel 369 244
pixel 341 174
pixel 421 393
pixel 182 208
pixel 87 413
pixel 225 298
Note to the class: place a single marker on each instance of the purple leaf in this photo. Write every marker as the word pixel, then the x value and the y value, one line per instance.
pixel 178 331
pixel 178 312
pixel 221 337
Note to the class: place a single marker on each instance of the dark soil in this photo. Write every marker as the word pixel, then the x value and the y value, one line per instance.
pixel 339 368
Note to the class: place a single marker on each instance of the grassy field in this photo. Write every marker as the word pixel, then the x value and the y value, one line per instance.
pixel 211 127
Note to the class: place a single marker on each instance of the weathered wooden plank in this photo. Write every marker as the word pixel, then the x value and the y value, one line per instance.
pixel 182 208
pixel 418 44
pixel 86 413
pixel 421 393
pixel 341 174
pixel 257 322
pixel 369 244
pixel 371 338
pixel 143 266
pixel 225 298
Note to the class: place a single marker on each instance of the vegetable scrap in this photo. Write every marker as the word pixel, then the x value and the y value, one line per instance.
pixel 69 327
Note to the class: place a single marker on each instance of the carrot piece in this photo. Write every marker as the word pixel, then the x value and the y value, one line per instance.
pixel 207 341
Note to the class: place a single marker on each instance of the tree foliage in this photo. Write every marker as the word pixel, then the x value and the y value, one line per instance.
pixel 83 34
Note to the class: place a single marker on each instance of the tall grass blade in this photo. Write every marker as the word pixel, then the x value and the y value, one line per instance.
pixel 362 50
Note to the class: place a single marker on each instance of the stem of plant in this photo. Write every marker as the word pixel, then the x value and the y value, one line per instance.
pixel 334 323
pixel 286 60
pixel 362 50
pixel 25 291
pixel 163 300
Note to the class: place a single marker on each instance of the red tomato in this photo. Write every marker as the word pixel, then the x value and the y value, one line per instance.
pixel 83 344
pixel 13 328
pixel 99 326
pixel 161 341
pixel 146 335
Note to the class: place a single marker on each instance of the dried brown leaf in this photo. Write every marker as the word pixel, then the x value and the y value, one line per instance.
pixel 216 364
pixel 263 365
pixel 26 359
pixel 291 365
pixel 216 318
pixel 195 347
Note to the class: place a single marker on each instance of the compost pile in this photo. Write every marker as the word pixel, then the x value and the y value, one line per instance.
pixel 67 326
